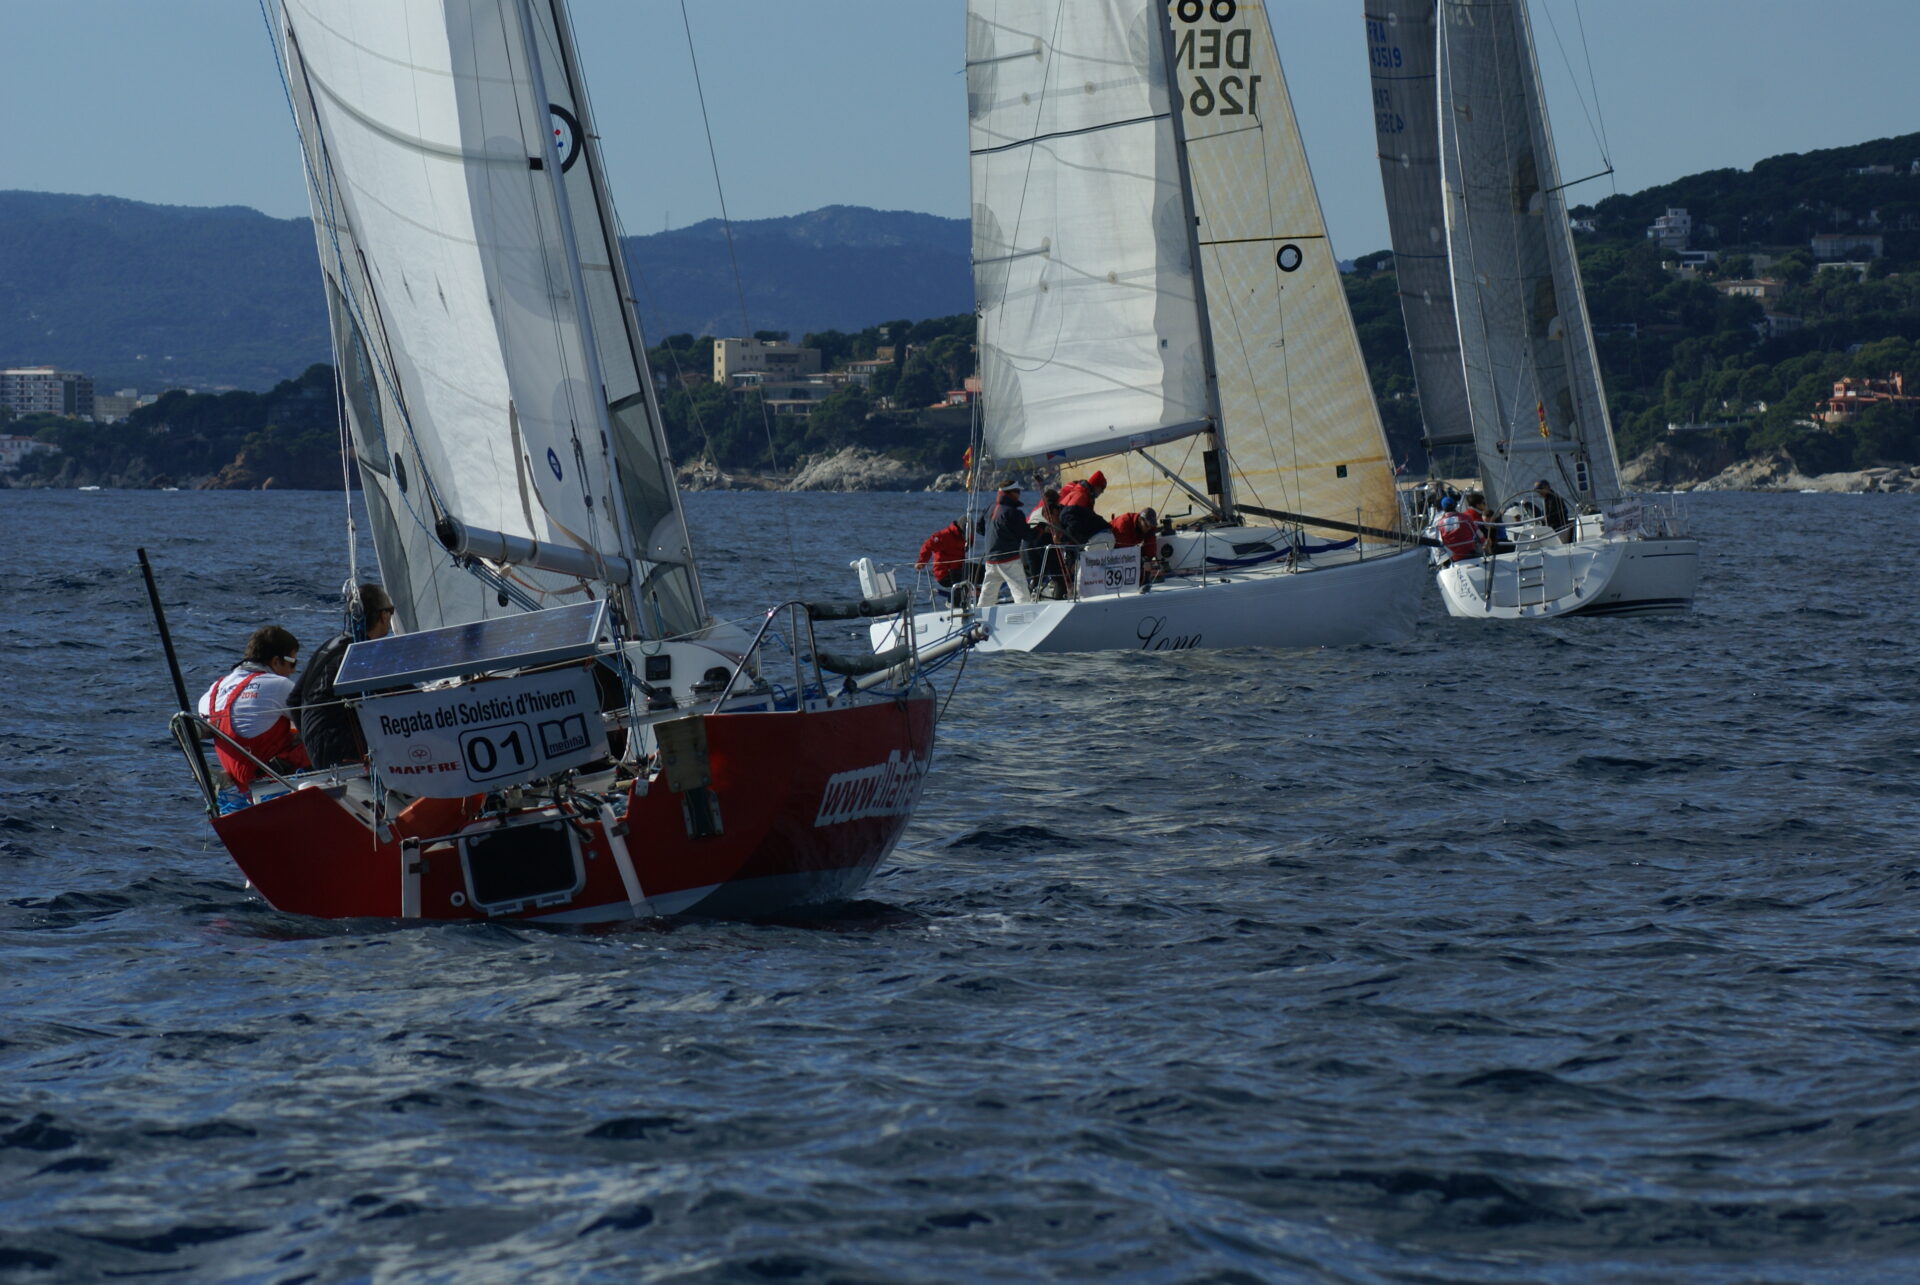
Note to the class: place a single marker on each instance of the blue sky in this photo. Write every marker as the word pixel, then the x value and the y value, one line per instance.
pixel 818 102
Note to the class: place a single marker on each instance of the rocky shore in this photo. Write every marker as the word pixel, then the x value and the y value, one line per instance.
pixel 1711 466
pixel 1703 465
pixel 852 468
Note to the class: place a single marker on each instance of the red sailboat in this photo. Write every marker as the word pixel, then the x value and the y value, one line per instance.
pixel 559 731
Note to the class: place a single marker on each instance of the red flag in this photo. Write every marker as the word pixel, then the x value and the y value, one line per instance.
pixel 1541 409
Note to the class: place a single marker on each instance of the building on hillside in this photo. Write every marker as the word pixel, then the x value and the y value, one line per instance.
pixel 734 357
pixel 789 396
pixel 863 371
pixel 1671 230
pixel 15 448
pixel 1851 396
pixel 1774 324
pixel 1765 289
pixel 1839 245
pixel 42 390
pixel 967 394
pixel 111 408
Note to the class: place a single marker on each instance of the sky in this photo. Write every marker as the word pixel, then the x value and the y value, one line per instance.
pixel 861 102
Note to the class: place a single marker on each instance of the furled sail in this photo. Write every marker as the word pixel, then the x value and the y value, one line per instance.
pixel 1298 421
pixel 1402 53
pixel 496 385
pixel 1533 378
pixel 1089 330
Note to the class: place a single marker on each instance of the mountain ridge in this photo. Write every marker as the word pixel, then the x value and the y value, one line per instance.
pixel 157 296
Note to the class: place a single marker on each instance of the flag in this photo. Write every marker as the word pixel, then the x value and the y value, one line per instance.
pixel 1540 408
pixel 966 461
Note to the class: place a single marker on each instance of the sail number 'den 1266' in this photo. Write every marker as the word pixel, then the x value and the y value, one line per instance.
pixel 1217 48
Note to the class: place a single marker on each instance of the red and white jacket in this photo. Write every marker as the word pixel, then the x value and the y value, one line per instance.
pixel 250 705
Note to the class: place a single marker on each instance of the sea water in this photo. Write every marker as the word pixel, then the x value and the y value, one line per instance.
pixel 1576 951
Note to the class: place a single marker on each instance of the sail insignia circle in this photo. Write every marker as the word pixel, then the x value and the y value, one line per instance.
pixel 566 135
pixel 1289 258
pixel 553 462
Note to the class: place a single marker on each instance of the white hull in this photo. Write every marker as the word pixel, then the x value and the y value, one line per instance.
pixel 1332 604
pixel 1593 576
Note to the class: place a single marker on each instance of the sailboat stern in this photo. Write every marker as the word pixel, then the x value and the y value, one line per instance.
pixel 780 811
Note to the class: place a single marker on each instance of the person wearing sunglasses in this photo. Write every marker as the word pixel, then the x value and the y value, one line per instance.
pixel 327 727
pixel 249 706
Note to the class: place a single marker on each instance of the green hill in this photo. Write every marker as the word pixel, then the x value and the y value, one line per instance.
pixel 1676 350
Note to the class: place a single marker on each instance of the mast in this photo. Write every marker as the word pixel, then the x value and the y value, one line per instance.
pixel 1219 470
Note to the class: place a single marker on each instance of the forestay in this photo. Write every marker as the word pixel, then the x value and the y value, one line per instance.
pixel 1532 377
pixel 1402 54
pixel 1089 330
pixel 493 371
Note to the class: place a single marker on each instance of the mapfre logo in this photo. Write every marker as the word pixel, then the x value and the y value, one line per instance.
pixel 883 790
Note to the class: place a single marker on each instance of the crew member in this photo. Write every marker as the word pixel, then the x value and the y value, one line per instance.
pixel 1047 565
pixel 943 555
pixel 1553 509
pixel 1078 521
pixel 249 705
pixel 1457 531
pixel 1005 528
pixel 1083 494
pixel 327 727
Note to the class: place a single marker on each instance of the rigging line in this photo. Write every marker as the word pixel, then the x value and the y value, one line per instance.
pixel 1574 80
pixel 1036 139
pixel 1586 49
pixel 739 282
pixel 339 407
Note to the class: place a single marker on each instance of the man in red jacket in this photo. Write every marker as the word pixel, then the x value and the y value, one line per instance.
pixel 944 555
pixel 1083 494
pixel 1457 530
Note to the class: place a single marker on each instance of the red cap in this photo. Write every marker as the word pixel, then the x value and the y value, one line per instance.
pixel 1098 479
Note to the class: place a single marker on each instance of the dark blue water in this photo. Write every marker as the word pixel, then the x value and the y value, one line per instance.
pixel 1575 952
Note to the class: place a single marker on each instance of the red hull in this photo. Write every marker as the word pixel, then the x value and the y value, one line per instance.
pixel 808 805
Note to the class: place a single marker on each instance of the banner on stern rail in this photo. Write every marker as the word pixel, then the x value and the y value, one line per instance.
pixel 485 735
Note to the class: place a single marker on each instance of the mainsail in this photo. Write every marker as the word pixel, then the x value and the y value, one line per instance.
pixel 495 379
pixel 1532 376
pixel 1402 52
pixel 1089 329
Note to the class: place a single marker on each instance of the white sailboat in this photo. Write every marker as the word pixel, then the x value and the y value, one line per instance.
pixel 560 733
pixel 1158 301
pixel 1497 321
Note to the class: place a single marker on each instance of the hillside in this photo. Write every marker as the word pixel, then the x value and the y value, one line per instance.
pixel 1676 347
pixel 153 296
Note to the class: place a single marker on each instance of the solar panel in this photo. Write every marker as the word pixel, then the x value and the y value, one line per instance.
pixel 509 642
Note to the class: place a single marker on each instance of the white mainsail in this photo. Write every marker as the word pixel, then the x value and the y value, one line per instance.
pixel 1532 376
pixel 1089 330
pixel 495 380
pixel 1402 53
